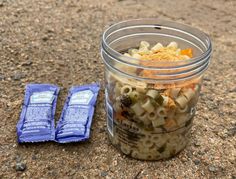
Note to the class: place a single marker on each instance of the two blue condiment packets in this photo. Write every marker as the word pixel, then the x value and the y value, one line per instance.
pixel 36 123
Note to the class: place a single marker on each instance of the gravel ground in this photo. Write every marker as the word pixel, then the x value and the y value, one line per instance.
pixel 58 42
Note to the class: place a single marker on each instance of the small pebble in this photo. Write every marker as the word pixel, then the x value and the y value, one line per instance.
pixel 18 76
pixel 197 144
pixel 196 162
pixel 34 157
pixel 104 173
pixel 14 145
pixel 45 38
pixel 50 31
pixel 101 130
pixel 20 166
pixel 232 90
pixel 2 77
pixel 232 131
pixel 27 63
pixel 207 79
pixel 212 168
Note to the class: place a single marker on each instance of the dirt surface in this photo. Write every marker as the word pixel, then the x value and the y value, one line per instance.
pixel 58 42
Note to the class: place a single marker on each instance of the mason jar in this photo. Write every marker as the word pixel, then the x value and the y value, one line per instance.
pixel 142 120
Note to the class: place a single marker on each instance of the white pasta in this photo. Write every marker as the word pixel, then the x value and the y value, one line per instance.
pixel 143 116
pixel 144 44
pixel 158 122
pixel 183 110
pixel 127 55
pixel 136 128
pixel 147 106
pixel 189 94
pixel 139 85
pixel 141 89
pixel 135 154
pixel 143 156
pixel 117 89
pixel 137 56
pixel 126 89
pixel 157 130
pixel 133 51
pixel 145 120
pixel 134 95
pixel 161 112
pixel 156 47
pixel 174 92
pixel 138 110
pixel 173 45
pixel 144 50
pixel 181 101
pixel 152 115
pixel 165 100
pixel 159 139
pixel 125 148
pixel 152 93
pixel 139 155
pixel 146 142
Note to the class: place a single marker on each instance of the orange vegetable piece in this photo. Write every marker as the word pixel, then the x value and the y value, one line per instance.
pixel 119 117
pixel 169 124
pixel 187 51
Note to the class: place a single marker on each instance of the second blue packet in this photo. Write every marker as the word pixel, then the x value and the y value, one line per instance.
pixel 76 118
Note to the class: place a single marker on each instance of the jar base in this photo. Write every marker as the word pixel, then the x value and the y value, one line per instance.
pixel 133 154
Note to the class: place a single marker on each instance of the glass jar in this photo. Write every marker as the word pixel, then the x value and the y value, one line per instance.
pixel 150 118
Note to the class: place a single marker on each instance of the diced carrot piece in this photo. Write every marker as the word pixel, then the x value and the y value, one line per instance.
pixel 169 124
pixel 147 73
pixel 119 117
pixel 187 51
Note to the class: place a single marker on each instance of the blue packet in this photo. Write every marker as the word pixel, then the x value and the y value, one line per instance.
pixel 36 123
pixel 77 114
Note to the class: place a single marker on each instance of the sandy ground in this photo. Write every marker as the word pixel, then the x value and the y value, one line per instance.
pixel 58 42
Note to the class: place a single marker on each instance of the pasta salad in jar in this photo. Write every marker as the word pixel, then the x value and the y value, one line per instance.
pixel 146 119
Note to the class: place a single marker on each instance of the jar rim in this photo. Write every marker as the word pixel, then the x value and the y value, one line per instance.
pixel 158 64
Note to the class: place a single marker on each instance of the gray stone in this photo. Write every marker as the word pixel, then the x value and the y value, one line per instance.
pixel 2 77
pixel 232 90
pixel 213 168
pixel 45 38
pixel 196 162
pixel 27 63
pixel 34 157
pixel 104 173
pixel 232 131
pixel 197 144
pixel 18 76
pixel 20 166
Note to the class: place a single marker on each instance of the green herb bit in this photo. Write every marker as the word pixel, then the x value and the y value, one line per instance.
pixel 159 99
pixel 162 148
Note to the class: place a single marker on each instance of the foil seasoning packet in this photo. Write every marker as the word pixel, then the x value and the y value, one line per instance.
pixel 76 118
pixel 36 123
